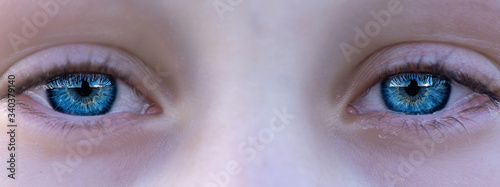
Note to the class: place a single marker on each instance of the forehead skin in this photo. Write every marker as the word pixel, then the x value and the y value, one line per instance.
pixel 463 22
pixel 257 41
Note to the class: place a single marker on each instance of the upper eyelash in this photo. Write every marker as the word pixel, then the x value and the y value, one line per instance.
pixel 42 78
pixel 69 80
pixel 82 68
pixel 442 123
pixel 439 69
pixel 401 80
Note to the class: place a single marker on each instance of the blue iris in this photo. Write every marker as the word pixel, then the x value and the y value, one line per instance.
pixel 82 94
pixel 415 93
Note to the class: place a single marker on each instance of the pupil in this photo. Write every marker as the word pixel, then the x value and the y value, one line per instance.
pixel 85 90
pixel 413 88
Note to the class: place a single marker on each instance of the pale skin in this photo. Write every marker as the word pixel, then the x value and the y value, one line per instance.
pixel 269 67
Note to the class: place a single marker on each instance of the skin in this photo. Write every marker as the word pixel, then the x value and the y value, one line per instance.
pixel 226 78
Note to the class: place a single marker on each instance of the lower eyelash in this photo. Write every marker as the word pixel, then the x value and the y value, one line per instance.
pixel 58 126
pixel 49 122
pixel 458 123
pixel 63 128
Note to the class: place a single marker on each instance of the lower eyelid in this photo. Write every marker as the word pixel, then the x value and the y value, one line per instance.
pixel 52 125
pixel 466 119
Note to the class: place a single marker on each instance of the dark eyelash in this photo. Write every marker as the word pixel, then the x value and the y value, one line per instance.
pixel 439 69
pixel 41 78
pixel 445 122
pixel 70 67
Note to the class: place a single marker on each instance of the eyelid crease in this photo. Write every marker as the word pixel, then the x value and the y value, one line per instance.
pixel 461 67
pixel 41 66
pixel 424 57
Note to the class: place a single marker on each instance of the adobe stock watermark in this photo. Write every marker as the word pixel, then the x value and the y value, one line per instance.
pixel 47 9
pixel 408 165
pixel 372 29
pixel 250 147
pixel 150 84
pixel 221 8
pixel 94 136
pixel 76 153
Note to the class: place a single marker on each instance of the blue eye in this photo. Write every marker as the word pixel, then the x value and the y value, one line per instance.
pixel 415 93
pixel 82 94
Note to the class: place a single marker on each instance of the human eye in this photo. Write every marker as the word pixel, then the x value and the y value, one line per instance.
pixel 415 93
pixel 88 94
pixel 76 86
pixel 427 88
pixel 82 94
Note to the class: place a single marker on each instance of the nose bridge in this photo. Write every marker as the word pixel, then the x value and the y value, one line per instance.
pixel 245 103
pixel 245 149
pixel 230 104
pixel 243 125
pixel 256 135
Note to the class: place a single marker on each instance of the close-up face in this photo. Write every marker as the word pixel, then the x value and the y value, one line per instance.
pixel 249 93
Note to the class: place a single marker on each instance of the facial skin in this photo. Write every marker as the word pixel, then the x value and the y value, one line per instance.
pixel 269 68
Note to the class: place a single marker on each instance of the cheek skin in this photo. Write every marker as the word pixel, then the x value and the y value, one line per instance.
pixel 387 159
pixel 111 154
pixel 342 154
pixel 115 159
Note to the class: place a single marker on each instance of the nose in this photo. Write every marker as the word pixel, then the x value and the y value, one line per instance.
pixel 248 122
pixel 247 131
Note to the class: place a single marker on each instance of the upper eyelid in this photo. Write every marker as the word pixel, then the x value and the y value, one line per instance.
pixel 42 77
pixel 78 58
pixel 375 67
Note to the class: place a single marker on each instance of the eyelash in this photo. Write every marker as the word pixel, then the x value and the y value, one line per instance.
pixel 136 101
pixel 437 69
pixel 85 68
pixel 454 120
pixel 58 124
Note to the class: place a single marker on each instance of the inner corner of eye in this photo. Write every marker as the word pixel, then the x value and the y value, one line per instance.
pixel 352 109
